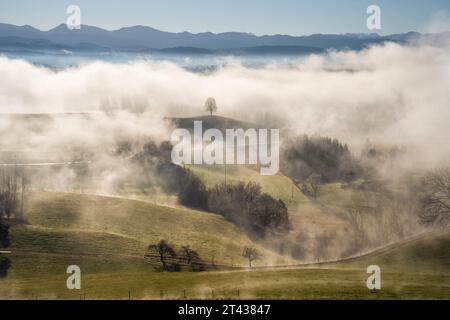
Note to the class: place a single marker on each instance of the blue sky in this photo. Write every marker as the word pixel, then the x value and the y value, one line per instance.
pixel 257 16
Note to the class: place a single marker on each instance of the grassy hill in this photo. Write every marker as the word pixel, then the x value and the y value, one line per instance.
pixel 278 186
pixel 86 224
pixel 304 214
pixel 42 276
pixel 426 254
pixel 107 237
pixel 215 122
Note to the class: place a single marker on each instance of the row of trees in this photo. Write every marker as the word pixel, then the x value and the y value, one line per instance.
pixel 171 260
pixel 155 167
pixel 248 207
pixel 323 158
pixel 244 204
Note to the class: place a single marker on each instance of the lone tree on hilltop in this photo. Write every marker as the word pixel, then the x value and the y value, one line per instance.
pixel 211 105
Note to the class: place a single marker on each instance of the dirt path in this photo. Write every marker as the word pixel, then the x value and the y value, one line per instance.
pixel 377 251
pixel 371 253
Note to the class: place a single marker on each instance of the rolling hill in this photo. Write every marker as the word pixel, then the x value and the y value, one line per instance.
pixel 414 269
pixel 105 226
pixel 108 236
pixel 423 254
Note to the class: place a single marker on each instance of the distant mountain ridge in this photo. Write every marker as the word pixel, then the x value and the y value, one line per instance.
pixel 142 38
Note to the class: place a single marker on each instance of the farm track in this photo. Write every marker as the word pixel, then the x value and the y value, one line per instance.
pixel 367 254
pixel 377 251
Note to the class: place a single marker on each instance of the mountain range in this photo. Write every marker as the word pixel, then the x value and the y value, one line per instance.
pixel 143 38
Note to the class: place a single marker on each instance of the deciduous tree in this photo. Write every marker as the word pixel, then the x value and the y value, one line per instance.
pixel 211 105
pixel 251 254
pixel 164 250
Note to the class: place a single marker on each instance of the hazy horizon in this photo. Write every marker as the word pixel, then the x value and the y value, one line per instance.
pixel 366 32
pixel 286 17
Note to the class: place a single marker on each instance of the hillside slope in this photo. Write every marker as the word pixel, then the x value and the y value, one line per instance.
pixel 426 253
pixel 211 122
pixel 304 213
pixel 86 224
pixel 42 276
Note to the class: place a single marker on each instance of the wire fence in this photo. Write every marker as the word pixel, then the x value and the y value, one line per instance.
pixel 156 294
pixel 155 259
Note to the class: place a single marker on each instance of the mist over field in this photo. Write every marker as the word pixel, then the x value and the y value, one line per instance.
pixel 377 122
pixel 387 93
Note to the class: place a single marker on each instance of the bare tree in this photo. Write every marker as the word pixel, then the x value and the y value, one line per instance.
pixel 190 255
pixel 323 242
pixel 396 227
pixel 251 254
pixel 311 186
pixel 8 191
pixel 211 105
pixel 164 250
pixel 299 249
pixel 24 187
pixel 247 206
pixel 355 219
pixel 435 203
pixel 4 243
pixel 5 264
pixel 4 235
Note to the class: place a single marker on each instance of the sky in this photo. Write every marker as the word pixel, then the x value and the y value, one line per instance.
pixel 294 17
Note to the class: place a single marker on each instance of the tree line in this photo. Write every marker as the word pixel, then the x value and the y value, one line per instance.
pixel 171 260
pixel 250 208
pixel 320 158
pixel 243 204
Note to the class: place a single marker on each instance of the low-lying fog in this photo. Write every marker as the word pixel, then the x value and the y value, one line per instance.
pixel 388 94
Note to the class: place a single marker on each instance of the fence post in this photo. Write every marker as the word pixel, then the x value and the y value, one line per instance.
pixel 212 293
pixel 161 294
pixel 239 295
pixel 129 295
